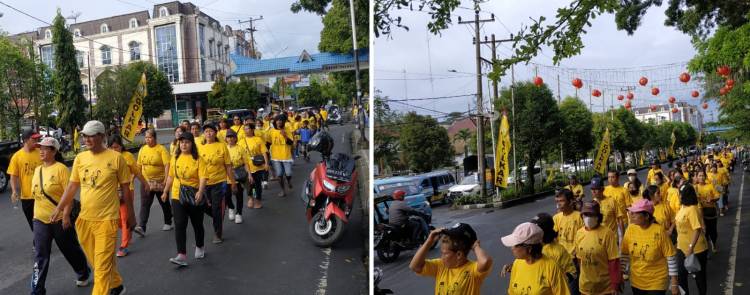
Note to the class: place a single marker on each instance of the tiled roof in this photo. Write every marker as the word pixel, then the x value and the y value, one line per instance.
pixel 293 64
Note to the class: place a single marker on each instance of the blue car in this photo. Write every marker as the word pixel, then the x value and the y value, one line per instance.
pixel 384 189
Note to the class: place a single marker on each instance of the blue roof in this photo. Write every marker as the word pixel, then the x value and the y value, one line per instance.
pixel 294 64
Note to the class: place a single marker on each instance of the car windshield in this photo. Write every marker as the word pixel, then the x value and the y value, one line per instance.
pixel 469 180
pixel 387 189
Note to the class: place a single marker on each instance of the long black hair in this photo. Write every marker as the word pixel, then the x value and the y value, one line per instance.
pixel 547 224
pixel 193 150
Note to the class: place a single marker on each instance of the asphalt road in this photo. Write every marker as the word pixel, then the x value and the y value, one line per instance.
pixel 270 253
pixel 491 224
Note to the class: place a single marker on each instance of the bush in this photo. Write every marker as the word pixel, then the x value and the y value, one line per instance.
pixel 470 199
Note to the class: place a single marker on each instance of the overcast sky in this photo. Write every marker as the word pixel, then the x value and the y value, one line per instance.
pixel 655 51
pixel 280 33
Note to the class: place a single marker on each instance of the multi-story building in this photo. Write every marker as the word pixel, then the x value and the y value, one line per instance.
pixel 190 47
pixel 686 113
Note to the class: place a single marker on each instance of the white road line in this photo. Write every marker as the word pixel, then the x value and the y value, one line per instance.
pixel 729 283
pixel 323 281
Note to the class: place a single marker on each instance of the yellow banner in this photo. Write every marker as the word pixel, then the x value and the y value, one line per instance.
pixel 135 110
pixel 671 147
pixel 600 162
pixel 76 143
pixel 501 154
pixel 642 154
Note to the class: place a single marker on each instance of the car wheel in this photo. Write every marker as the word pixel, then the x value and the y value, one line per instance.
pixel 3 181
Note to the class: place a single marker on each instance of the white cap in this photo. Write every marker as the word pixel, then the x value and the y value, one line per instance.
pixel 632 171
pixel 50 141
pixel 93 128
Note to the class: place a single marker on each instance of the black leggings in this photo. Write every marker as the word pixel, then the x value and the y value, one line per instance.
pixel 181 215
pixel 215 197
pixel 147 198
pixel 238 196
pixel 256 189
pixel 700 277
pixel 711 231
pixel 28 211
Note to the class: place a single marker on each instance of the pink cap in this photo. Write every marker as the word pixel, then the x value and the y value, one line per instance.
pixel 641 206
pixel 525 233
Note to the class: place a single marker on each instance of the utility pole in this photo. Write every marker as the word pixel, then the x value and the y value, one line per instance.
pixel 91 115
pixel 361 112
pixel 252 30
pixel 559 103
pixel 480 118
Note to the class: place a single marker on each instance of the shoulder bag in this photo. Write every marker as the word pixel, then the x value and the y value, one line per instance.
pixel 74 212
pixel 187 193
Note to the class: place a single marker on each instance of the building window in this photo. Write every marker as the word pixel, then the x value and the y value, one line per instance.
pixel 79 58
pixel 77 33
pixel 166 52
pixel 135 50
pixel 203 69
pixel 48 56
pixel 218 51
pixel 226 53
pixel 133 23
pixel 210 48
pixel 47 34
pixel 106 55
pixel 163 12
pixel 104 29
pixel 85 89
pixel 201 37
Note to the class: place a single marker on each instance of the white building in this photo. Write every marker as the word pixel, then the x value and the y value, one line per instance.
pixel 686 113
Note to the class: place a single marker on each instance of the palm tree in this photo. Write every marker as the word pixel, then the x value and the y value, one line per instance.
pixel 464 135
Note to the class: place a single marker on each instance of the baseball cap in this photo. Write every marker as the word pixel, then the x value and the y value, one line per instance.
pixel 461 231
pixel 209 125
pixel 92 128
pixel 632 171
pixel 231 133
pixel 51 142
pixel 596 183
pixel 186 135
pixel 641 206
pixel 28 133
pixel 525 233
pixel 590 208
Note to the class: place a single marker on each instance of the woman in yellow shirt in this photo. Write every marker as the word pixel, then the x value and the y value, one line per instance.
pixel 533 271
pixel 48 183
pixel 255 149
pixel 115 143
pixel 662 213
pixel 187 182
pixel 175 144
pixel 215 157
pixel 690 238
pixel 596 249
pixel 281 154
pixel 153 161
pixel 238 158
pixel 647 251
pixel 554 250
pixel 708 196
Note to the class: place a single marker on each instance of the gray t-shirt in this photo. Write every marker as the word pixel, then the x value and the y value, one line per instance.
pixel 398 213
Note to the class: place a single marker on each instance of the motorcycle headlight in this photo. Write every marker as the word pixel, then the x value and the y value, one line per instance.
pixel 329 186
pixel 342 189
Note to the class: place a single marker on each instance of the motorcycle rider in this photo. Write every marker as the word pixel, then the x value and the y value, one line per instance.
pixel 398 216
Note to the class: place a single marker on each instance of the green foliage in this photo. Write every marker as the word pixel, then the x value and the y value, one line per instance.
pixel 69 100
pixel 471 199
pixel 217 96
pixel 336 35
pixel 471 145
pixel 112 98
pixel 424 143
pixel 464 135
pixel 242 94
pixel 345 86
pixel 311 96
pixel 577 125
pixel 439 10
pixel 116 85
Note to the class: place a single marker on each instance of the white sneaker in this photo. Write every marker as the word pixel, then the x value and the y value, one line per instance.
pixel 238 219
pixel 231 214
pixel 179 260
pixel 199 253
pixel 167 227
pixel 265 184
pixel 83 283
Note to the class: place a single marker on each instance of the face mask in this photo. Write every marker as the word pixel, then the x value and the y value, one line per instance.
pixel 631 178
pixel 590 222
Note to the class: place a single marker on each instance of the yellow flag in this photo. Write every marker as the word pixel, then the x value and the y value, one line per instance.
pixel 671 147
pixel 640 163
pixel 135 110
pixel 600 162
pixel 501 155
pixel 700 137
pixel 76 143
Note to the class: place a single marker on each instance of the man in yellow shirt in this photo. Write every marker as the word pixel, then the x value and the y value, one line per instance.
pixel 609 206
pixel 620 194
pixel 281 154
pixel 455 246
pixel 21 171
pixel 577 190
pixel 651 172
pixel 324 117
pixel 98 172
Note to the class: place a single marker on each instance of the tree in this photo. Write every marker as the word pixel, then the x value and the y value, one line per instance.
pixel 387 124
pixel 424 143
pixel 537 119
pixel 16 85
pixel 464 135
pixel 112 99
pixel 472 143
pixel 311 96
pixel 217 96
pixel 242 94
pixel 116 86
pixel 160 92
pixel 453 116
pixel 577 124
pixel 69 101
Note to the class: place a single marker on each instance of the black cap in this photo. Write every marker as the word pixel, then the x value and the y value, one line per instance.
pixel 231 133
pixel 28 133
pixel 186 135
pixel 462 231
pixel 209 125
pixel 596 182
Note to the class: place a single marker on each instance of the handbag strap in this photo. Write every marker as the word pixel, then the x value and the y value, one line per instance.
pixel 41 187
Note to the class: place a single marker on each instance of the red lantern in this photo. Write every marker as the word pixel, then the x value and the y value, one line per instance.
pixel 643 81
pixel 653 108
pixel 705 106
pixel 538 81
pixel 730 83
pixel 630 95
pixel 729 87
pixel 723 91
pixel 627 105
pixel 655 91
pixel 596 93
pixel 684 77
pixel 675 110
pixel 694 93
pixel 620 97
pixel 672 99
pixel 577 83
pixel 723 70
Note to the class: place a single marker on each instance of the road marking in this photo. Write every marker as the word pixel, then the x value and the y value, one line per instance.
pixel 729 283
pixel 323 281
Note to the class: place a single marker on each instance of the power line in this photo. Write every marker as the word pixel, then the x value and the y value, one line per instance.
pixel 418 79
pixel 430 98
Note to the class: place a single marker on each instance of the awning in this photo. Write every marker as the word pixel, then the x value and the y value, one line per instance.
pixel 189 88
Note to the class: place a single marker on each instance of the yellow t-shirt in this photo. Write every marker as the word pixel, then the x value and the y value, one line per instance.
pixel 543 277
pixel 651 177
pixel 648 250
pixel 464 279
pixel 22 164
pixel 559 255
pixel 611 211
pixel 132 167
pixel 723 175
pixel 622 196
pixel 254 146
pixel 189 172
pixel 673 199
pixel 566 228
pixel 173 148
pixel 663 215
pixel 215 156
pixel 577 190
pixel 663 190
pixel 221 135
pixel 55 181
pixel 706 194
pixel 594 249
pixel 687 221
pixel 152 161
pixel 100 175
pixel 280 150
pixel 324 115
pixel 237 156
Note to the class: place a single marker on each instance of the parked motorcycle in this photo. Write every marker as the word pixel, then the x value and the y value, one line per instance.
pixel 329 192
pixel 391 240
pixel 335 117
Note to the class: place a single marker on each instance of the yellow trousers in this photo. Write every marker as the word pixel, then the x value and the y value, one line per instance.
pixel 98 239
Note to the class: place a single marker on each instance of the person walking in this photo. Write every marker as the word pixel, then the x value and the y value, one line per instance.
pixel 98 172
pixel 215 157
pixel 187 183
pixel 708 196
pixel 662 213
pixel 115 143
pixel 153 160
pixel 691 240
pixel 567 222
pixel 612 213
pixel 21 171
pixel 553 250
pixel 238 159
pixel 257 154
pixel 577 190
pixel 281 154
pixel 596 249
pixel 48 183
pixel 648 253
pixel 532 271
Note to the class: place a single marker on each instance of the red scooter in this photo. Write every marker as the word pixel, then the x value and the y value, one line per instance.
pixel 329 192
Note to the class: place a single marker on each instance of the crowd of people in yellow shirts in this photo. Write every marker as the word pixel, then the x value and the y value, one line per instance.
pixel 652 234
pixel 206 169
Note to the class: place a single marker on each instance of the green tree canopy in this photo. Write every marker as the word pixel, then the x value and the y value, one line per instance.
pixel 116 85
pixel 69 100
pixel 577 124
pixel 311 96
pixel 424 143
pixel 242 94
